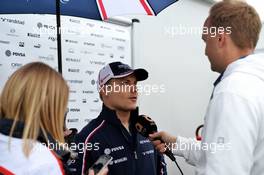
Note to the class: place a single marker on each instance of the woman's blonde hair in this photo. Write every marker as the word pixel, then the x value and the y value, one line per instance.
pixel 36 95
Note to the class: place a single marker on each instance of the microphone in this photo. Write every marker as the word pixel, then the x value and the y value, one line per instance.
pixel 145 126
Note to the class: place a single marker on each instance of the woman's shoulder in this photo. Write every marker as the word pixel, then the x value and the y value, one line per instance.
pixel 42 160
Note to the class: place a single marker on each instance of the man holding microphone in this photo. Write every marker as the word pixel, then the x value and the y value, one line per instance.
pixel 234 122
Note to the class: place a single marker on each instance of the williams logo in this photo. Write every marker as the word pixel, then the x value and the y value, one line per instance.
pixel 8 53
pixel 33 35
pixel 15 21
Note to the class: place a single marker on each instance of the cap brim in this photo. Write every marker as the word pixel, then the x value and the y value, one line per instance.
pixel 140 74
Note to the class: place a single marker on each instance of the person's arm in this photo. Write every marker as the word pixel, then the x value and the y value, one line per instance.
pixel 189 148
pixel 180 146
pixel 230 132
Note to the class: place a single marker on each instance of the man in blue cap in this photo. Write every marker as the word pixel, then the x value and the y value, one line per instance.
pixel 114 129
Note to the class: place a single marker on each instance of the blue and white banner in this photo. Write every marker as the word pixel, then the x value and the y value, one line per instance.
pixel 87 46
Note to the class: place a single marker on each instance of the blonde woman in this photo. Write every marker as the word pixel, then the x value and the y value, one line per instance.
pixel 32 107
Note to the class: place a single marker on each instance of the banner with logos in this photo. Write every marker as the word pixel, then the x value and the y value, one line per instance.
pixel 87 45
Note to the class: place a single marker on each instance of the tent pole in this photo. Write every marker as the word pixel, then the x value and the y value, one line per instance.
pixel 59 50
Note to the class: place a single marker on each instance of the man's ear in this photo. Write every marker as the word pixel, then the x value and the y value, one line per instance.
pixel 221 40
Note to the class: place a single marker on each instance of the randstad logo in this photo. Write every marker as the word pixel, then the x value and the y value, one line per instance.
pixel 15 21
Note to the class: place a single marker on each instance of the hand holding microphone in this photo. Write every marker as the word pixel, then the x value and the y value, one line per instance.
pixel 161 140
pixel 164 141
pixel 148 128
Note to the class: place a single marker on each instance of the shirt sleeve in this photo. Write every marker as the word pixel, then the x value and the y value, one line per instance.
pixel 189 148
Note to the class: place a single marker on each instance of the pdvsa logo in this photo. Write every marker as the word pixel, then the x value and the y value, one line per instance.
pixel 9 53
